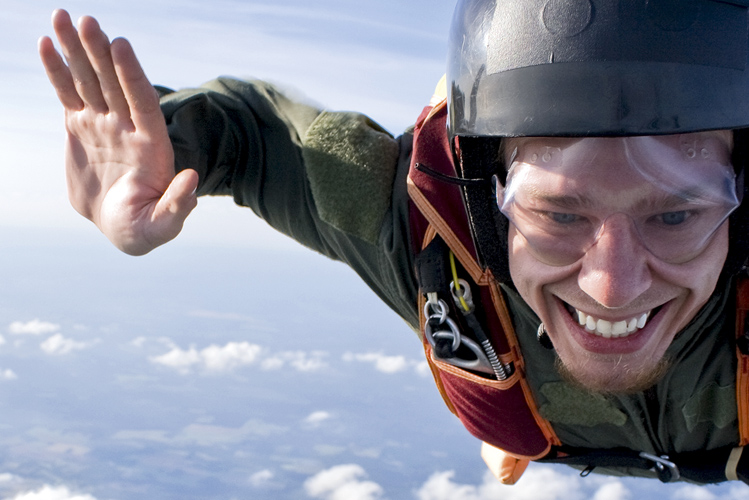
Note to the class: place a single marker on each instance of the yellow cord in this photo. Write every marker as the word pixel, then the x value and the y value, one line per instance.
pixel 457 283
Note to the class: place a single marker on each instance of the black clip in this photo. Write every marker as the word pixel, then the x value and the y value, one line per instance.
pixel 667 471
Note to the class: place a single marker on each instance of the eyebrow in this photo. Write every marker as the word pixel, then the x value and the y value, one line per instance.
pixel 694 195
pixel 570 202
pixel 661 202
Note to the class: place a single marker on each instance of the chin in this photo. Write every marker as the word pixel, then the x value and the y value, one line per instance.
pixel 618 378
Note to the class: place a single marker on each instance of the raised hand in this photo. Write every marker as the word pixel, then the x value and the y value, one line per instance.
pixel 118 157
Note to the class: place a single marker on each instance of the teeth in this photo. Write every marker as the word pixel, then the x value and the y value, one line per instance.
pixel 607 329
pixel 642 321
pixel 619 328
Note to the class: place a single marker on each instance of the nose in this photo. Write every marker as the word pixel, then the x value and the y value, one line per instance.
pixel 615 269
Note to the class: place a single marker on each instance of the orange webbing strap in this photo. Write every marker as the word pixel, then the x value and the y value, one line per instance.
pixel 742 371
pixel 503 466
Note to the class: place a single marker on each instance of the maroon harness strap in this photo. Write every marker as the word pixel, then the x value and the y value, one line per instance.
pixel 500 413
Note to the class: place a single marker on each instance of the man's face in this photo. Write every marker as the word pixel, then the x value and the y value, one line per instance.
pixel 611 285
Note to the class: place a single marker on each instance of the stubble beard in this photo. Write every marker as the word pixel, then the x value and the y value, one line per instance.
pixel 620 380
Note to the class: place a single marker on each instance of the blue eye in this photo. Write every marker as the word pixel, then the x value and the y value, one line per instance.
pixel 674 218
pixel 564 218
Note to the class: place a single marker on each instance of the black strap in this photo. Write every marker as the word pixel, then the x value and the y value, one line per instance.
pixel 430 267
pixel 456 181
pixel 705 467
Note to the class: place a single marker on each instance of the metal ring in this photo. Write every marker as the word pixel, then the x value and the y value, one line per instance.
pixel 480 364
pixel 463 290
pixel 454 333
pixel 429 310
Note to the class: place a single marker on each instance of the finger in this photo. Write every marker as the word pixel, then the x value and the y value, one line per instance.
pixel 84 76
pixel 59 75
pixel 140 94
pixel 97 46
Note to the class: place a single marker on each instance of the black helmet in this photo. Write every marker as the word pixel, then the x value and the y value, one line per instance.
pixel 598 67
pixel 589 68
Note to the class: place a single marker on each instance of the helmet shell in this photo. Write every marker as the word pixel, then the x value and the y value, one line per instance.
pixel 597 67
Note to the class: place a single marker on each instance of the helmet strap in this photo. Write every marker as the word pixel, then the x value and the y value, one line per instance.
pixel 479 158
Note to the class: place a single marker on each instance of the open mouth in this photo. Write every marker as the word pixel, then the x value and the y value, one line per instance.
pixel 611 329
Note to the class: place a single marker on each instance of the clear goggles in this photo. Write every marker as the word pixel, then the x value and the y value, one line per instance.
pixel 670 192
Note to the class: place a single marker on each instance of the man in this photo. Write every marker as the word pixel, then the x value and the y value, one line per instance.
pixel 569 248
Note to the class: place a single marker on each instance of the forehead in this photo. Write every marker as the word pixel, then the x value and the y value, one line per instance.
pixel 669 163
pixel 690 147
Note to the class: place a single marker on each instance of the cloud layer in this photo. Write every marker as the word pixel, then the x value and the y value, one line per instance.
pixel 343 482
pixel 233 355
pixel 52 493
pixel 387 364
pixel 33 327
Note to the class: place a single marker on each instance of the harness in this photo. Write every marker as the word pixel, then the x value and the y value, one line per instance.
pixel 474 355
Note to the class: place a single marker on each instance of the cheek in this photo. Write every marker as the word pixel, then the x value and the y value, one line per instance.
pixel 520 263
pixel 529 275
pixel 701 274
pixel 696 279
pixel 708 272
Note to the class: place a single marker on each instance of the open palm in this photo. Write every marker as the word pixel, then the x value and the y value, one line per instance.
pixel 118 156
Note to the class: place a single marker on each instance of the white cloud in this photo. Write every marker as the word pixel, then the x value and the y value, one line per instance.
pixel 538 483
pixel 422 368
pixel 33 327
pixel 204 434
pixel 233 355
pixel 614 490
pixel 138 342
pixel 8 374
pixel 261 478
pixel 317 417
pixel 384 363
pixel 51 493
pixel 299 360
pixel 440 486
pixel 342 482
pixel 59 345
pixel 230 356
pixel 737 492
pixel 691 492
pixel 178 359
pixel 213 358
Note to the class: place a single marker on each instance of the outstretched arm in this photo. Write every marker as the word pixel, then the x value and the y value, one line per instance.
pixel 118 157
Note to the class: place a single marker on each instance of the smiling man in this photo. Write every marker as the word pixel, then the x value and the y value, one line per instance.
pixel 616 243
pixel 563 226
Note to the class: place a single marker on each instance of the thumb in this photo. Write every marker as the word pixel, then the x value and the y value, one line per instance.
pixel 175 205
pixel 180 197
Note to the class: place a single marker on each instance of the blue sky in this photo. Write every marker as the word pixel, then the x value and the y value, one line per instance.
pixel 230 363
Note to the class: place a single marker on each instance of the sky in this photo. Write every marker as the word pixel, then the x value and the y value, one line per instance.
pixel 230 363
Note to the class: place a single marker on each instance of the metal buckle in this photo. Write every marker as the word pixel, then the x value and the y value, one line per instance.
pixel 667 471
pixel 437 310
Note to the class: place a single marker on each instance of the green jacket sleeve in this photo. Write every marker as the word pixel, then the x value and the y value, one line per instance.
pixel 335 182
